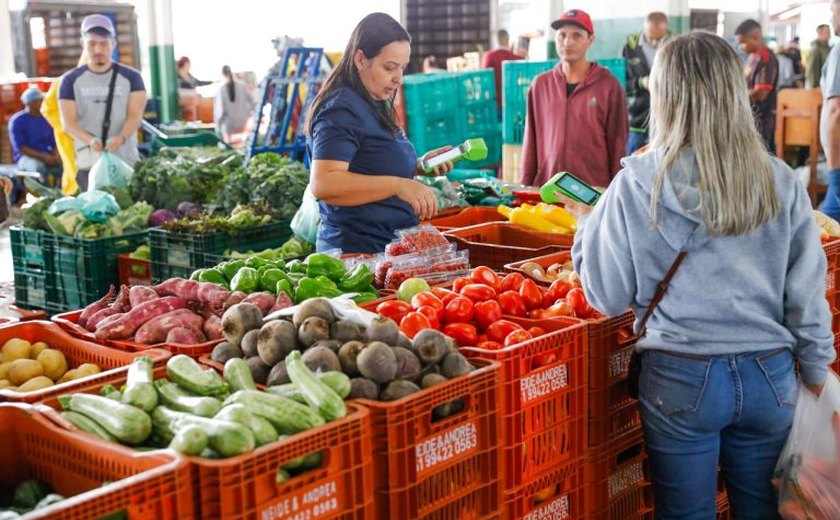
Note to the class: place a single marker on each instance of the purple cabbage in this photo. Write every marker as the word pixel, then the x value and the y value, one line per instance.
pixel 160 216
pixel 187 209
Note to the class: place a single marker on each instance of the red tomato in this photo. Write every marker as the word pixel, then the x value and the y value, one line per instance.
pixel 531 294
pixel 536 331
pixel 478 292
pixel 427 298
pixel 459 310
pixel 501 329
pixel 431 314
pixel 414 322
pixel 512 304
pixel 538 314
pixel 463 333
pixel 481 338
pixel 559 309
pixel 460 283
pixel 486 276
pixel 486 313
pixel 394 309
pixel 559 289
pixel 545 359
pixel 516 337
pixel 512 282
pixel 577 299
pixel 445 295
pixel 489 345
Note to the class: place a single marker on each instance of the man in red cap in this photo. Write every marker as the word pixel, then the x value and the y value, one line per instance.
pixel 577 113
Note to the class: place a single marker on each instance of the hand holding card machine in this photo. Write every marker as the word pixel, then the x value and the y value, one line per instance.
pixel 471 149
pixel 570 186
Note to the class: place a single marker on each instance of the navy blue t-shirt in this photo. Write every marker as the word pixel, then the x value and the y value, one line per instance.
pixel 346 129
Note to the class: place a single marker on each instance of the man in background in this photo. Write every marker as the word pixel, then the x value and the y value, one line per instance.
pixel 817 57
pixel 830 120
pixel 494 59
pixel 640 52
pixel 33 144
pixel 762 73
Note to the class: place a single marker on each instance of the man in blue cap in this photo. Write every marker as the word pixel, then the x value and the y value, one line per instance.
pixel 88 90
pixel 33 143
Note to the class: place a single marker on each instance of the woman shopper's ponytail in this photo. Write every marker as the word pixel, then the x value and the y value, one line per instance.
pixel 231 86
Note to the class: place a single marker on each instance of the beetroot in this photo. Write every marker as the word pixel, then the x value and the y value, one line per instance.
pixel 155 330
pixel 96 320
pixel 265 301
pixel 95 307
pixel 185 336
pixel 140 294
pixel 213 327
pixel 126 326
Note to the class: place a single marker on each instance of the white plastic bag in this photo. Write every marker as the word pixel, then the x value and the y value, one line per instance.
pixel 306 220
pixel 807 475
pixel 109 171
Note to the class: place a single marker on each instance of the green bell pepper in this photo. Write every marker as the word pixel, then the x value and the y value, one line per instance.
pixel 246 280
pixel 285 286
pixel 255 262
pixel 213 276
pixel 196 274
pixel 296 266
pixel 365 297
pixel 320 264
pixel 280 264
pixel 231 268
pixel 315 288
pixel 356 280
pixel 269 279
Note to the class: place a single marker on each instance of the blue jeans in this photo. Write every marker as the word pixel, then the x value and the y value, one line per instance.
pixel 635 141
pixel 50 175
pixel 732 410
pixel 831 203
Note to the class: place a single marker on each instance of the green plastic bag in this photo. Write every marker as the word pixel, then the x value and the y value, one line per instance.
pixel 109 171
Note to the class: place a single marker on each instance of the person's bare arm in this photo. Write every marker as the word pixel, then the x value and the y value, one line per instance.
pixel 832 153
pixel 70 121
pixel 134 115
pixel 759 95
pixel 35 154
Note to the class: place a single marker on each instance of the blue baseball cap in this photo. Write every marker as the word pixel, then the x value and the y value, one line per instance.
pixel 98 21
pixel 31 94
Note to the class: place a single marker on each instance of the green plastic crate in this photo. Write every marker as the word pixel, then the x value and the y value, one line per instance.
pixel 428 95
pixel 475 87
pixel 433 131
pixel 478 121
pixel 31 289
pixel 28 250
pixel 201 138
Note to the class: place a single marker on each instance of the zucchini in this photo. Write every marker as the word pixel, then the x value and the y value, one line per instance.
pixel 338 381
pixel 190 440
pixel 238 375
pixel 227 438
pixel 86 424
pixel 317 394
pixel 283 476
pixel 284 414
pixel 264 432
pixel 189 375
pixel 180 400
pixel 111 393
pixel 128 424
pixel 312 461
pixel 139 388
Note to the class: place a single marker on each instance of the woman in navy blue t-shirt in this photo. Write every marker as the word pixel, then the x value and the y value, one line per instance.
pixel 363 166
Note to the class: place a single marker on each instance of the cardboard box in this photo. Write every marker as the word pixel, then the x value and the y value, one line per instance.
pixel 511 161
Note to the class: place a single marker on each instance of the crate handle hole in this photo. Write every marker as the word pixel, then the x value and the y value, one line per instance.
pixel 450 409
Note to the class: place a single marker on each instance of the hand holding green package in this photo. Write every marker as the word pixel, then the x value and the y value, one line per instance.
pixel 109 171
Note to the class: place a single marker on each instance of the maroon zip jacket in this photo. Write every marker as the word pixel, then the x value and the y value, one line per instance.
pixel 585 133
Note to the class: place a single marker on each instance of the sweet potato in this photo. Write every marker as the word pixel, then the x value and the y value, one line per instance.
pixel 265 301
pixel 141 294
pixel 212 294
pixel 96 320
pixel 126 326
pixel 123 302
pixel 213 327
pixel 155 330
pixel 283 302
pixel 234 298
pixel 95 307
pixel 185 336
pixel 110 319
pixel 186 289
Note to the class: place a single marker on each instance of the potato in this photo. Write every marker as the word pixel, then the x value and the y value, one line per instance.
pixel 54 363
pixel 36 383
pixel 88 369
pixel 5 383
pixel 22 370
pixel 16 348
pixel 37 348
pixel 71 375
pixel 4 369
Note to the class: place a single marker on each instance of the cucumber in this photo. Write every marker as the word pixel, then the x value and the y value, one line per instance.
pixel 284 414
pixel 180 400
pixel 312 461
pixel 190 440
pixel 189 375
pixel 338 381
pixel 139 389
pixel 111 393
pixel 317 394
pixel 128 424
pixel 283 476
pixel 264 432
pixel 238 375
pixel 86 424
pixel 227 438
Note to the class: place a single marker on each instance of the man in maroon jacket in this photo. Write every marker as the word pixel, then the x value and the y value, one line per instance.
pixel 577 113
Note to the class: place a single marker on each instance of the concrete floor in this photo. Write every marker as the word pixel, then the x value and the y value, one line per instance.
pixel 6 270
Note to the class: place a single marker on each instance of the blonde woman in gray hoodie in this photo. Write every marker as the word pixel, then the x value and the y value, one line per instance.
pixel 717 383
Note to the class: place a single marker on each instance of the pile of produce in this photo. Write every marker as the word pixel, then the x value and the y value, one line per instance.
pixel 381 363
pixel 556 271
pixel 26 497
pixel 26 367
pixel 293 248
pixel 829 228
pixel 178 311
pixel 473 311
pixel 445 192
pixel 199 222
pixel 419 252
pixel 197 412
pixel 270 178
pixel 319 275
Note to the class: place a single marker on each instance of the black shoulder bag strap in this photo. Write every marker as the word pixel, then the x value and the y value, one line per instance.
pixel 635 368
pixel 106 123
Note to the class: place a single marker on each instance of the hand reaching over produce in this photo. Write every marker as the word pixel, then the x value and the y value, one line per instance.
pixel 421 198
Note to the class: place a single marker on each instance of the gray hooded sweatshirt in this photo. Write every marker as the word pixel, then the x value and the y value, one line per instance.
pixel 759 291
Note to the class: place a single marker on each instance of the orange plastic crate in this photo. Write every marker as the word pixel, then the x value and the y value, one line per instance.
pixel 832 279
pixel 497 244
pixel 154 486
pixel 562 490
pixel 617 481
pixel 544 382
pixel 76 351
pixel 723 507
pixel 134 271
pixel 69 322
pixel 27 315
pixel 245 486
pixel 467 217
pixel 447 469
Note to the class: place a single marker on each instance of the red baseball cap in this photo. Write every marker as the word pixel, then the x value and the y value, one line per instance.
pixel 574 17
